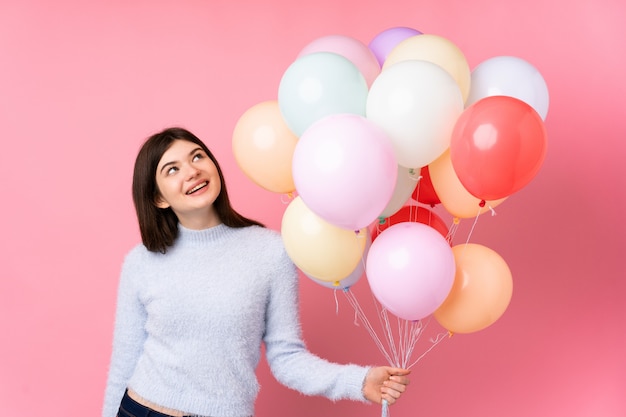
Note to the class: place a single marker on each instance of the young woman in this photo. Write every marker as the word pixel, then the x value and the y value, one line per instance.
pixel 198 298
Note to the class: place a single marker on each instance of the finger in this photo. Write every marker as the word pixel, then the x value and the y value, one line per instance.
pixel 390 400
pixel 395 386
pixel 390 396
pixel 399 371
pixel 399 379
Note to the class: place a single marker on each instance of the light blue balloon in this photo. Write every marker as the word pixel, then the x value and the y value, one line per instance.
pixel 318 85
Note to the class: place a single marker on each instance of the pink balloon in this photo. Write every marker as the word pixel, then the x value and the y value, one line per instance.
pixel 410 268
pixel 344 169
pixel 352 49
pixel 386 40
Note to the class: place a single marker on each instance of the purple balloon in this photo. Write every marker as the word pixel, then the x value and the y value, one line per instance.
pixel 386 40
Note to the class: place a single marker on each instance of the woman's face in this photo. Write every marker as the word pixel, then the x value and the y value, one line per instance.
pixel 189 183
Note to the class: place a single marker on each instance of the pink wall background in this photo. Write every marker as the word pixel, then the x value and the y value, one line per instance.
pixel 83 83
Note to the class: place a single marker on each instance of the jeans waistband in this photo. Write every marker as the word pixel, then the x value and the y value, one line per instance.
pixel 135 409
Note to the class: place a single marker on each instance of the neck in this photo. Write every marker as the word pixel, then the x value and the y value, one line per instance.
pixel 200 220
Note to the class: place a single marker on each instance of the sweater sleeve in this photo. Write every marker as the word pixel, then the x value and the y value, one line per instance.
pixel 289 360
pixel 128 337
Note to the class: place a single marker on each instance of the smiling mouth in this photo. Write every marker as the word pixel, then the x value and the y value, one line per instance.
pixel 198 187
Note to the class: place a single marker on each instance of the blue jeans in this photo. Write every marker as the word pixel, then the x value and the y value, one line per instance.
pixel 131 408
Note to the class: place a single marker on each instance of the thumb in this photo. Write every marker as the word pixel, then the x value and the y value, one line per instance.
pixel 398 371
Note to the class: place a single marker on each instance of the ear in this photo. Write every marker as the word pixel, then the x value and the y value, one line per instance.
pixel 160 203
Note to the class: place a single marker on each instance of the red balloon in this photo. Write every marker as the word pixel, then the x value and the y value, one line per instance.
pixel 425 192
pixel 411 214
pixel 498 145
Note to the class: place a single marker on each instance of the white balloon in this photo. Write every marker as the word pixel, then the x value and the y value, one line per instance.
pixel 406 182
pixel 513 77
pixel 317 85
pixel 417 104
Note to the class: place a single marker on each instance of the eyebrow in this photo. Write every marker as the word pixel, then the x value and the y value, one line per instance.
pixel 194 150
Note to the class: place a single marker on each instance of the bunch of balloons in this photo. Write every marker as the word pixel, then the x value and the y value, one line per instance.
pixel 358 131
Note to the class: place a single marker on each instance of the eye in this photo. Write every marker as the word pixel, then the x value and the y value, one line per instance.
pixel 172 170
pixel 198 156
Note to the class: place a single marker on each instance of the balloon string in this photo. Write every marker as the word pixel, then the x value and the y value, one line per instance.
pixel 418 180
pixel 413 331
pixel 336 302
pixel 452 230
pixel 473 227
pixel 384 320
pixel 385 409
pixel 409 333
pixel 405 332
pixel 360 316
pixel 434 342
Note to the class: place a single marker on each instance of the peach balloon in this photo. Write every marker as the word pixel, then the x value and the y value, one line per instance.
pixel 263 147
pixel 450 191
pixel 481 291
pixel 435 49
pixel 320 249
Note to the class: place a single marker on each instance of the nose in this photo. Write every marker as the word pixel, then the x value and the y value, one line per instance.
pixel 192 172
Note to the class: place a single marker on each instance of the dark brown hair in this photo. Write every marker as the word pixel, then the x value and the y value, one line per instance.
pixel 159 227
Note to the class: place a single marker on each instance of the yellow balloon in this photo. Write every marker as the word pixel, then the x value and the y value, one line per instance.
pixel 435 49
pixel 263 146
pixel 320 249
pixel 481 291
pixel 453 196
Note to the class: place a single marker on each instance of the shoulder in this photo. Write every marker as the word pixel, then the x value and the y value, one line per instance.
pixel 261 237
pixel 260 231
pixel 139 256
pixel 138 252
pixel 261 242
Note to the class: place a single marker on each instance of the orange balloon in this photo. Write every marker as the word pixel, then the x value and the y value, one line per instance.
pixel 320 249
pixel 263 146
pixel 481 292
pixel 450 191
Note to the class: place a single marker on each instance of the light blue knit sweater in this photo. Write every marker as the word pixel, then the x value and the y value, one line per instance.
pixel 189 326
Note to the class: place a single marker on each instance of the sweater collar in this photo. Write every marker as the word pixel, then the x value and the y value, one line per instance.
pixel 191 237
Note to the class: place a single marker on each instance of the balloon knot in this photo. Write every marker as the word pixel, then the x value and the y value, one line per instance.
pixel 336 284
pixel 456 220
pixel 450 334
pixel 381 220
pixel 482 203
pixel 411 171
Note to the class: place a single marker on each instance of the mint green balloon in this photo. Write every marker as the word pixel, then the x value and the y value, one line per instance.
pixel 318 85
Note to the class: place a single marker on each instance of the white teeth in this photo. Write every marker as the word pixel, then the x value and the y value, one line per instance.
pixel 196 188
